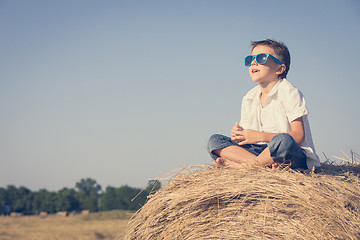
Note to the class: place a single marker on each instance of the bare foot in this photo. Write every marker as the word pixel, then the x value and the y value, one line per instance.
pixel 222 162
pixel 219 162
pixel 232 164
pixel 275 165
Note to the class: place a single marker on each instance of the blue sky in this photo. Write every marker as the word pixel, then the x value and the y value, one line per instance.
pixel 124 91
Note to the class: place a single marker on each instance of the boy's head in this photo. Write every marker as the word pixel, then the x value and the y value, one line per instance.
pixel 281 52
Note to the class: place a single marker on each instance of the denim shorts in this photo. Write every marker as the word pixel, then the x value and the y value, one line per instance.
pixel 283 149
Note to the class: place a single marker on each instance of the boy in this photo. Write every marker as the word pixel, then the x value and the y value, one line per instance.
pixel 274 128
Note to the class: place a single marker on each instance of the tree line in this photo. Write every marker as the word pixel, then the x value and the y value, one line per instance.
pixel 87 195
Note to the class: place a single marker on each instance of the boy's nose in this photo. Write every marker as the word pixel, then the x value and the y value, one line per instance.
pixel 253 62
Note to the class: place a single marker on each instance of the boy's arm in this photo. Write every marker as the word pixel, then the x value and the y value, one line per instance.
pixel 249 136
pixel 297 131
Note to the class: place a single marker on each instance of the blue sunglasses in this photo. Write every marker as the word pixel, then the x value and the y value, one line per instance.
pixel 261 58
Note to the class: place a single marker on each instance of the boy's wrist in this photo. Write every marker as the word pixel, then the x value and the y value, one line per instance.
pixel 261 137
pixel 265 137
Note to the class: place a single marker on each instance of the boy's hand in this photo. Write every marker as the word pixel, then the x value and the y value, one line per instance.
pixel 248 136
pixel 235 132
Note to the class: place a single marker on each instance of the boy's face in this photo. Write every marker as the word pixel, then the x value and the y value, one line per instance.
pixel 264 73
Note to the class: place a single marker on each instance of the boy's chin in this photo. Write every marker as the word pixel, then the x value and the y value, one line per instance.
pixel 256 80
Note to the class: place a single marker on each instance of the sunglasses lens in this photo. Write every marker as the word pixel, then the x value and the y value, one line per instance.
pixel 248 60
pixel 261 58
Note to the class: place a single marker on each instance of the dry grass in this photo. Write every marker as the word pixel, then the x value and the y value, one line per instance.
pixel 253 203
pixel 95 226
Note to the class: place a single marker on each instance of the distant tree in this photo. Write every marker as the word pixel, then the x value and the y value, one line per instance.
pixel 10 195
pixel 138 198
pixel 38 200
pixel 89 193
pixel 23 201
pixel 4 204
pixel 17 199
pixel 124 197
pixel 111 200
pixel 44 200
pixel 67 200
pixel 153 185
pixel 88 187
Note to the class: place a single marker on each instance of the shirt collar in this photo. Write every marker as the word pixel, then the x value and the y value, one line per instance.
pixel 273 91
pixel 275 88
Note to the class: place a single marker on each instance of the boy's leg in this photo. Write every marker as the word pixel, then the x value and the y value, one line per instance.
pixel 236 154
pixel 281 149
pixel 265 158
pixel 284 149
pixel 224 162
pixel 223 147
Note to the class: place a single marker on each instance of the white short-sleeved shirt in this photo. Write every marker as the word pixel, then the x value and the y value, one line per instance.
pixel 284 104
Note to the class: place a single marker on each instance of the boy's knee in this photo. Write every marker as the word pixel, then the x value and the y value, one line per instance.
pixel 281 144
pixel 217 141
pixel 283 148
pixel 215 137
pixel 213 140
pixel 283 139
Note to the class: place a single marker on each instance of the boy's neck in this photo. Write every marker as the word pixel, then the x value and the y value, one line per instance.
pixel 266 87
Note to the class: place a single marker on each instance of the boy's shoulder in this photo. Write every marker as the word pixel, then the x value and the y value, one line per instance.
pixel 286 85
pixel 253 93
pixel 288 89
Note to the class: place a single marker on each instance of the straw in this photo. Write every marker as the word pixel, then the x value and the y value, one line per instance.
pixel 254 203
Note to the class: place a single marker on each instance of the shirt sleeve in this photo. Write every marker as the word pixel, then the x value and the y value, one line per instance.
pixel 243 120
pixel 294 104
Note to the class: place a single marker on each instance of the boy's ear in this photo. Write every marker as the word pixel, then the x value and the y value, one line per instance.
pixel 281 69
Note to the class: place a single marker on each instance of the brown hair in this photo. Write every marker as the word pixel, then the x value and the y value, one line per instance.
pixel 280 49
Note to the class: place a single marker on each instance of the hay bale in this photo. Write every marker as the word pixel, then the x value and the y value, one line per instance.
pixel 63 214
pixel 43 214
pixel 252 203
pixel 85 212
pixel 71 214
pixel 15 214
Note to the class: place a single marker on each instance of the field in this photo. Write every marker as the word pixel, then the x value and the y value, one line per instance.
pixel 95 226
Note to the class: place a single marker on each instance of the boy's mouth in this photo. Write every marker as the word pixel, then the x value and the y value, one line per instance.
pixel 254 71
